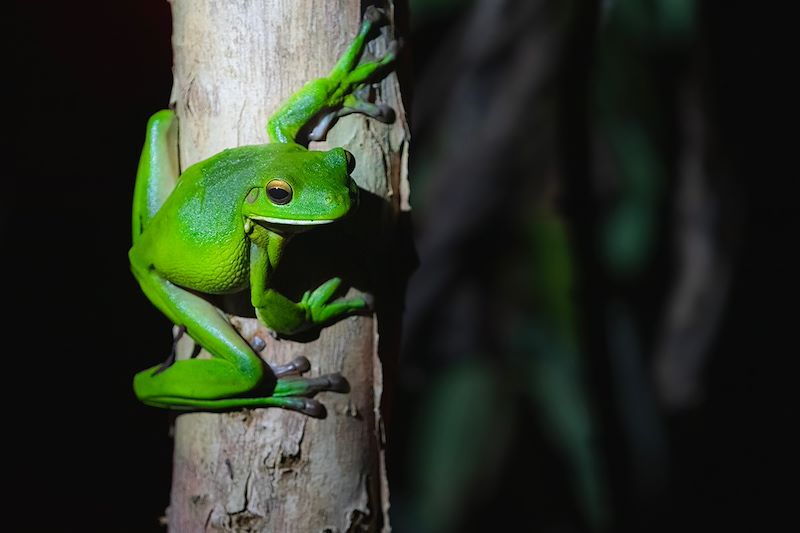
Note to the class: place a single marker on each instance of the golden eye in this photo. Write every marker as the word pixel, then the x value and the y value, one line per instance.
pixel 279 192
pixel 351 162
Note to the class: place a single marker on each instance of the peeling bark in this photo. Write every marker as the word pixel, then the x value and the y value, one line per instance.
pixel 269 469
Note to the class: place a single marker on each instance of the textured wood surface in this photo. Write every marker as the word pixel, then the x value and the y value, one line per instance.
pixel 235 62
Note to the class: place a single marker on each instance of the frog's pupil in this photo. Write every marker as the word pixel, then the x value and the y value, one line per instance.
pixel 278 194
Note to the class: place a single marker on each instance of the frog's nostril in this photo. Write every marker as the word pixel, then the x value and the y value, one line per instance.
pixel 334 200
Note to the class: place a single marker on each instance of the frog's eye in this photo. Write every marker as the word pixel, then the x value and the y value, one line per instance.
pixel 351 162
pixel 279 192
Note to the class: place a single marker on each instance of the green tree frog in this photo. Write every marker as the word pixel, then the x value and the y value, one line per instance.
pixel 222 227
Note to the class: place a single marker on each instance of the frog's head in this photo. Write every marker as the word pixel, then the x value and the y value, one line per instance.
pixel 301 189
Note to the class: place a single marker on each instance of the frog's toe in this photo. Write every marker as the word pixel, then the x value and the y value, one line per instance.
pixel 384 113
pixel 340 308
pixel 307 406
pixel 394 48
pixel 313 408
pixel 296 366
pixel 307 387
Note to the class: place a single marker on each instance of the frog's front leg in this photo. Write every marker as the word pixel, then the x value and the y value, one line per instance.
pixel 283 315
pixel 158 169
pixel 338 94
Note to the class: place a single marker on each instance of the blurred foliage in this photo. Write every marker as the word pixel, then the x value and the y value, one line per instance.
pixel 424 12
pixel 554 143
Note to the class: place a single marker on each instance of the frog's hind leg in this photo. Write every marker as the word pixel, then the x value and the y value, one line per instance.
pixel 235 368
pixel 235 376
pixel 290 393
pixel 158 169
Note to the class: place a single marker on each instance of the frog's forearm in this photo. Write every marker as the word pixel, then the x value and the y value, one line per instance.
pixel 282 314
pixel 272 308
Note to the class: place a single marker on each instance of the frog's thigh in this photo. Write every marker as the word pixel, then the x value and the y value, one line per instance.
pixel 236 368
pixel 197 379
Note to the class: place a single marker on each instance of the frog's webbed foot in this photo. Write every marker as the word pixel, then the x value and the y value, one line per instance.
pixel 295 393
pixel 357 94
pixel 290 382
pixel 317 308
pixel 320 310
pixel 362 102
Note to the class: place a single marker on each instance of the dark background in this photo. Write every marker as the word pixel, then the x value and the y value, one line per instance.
pixel 88 76
pixel 85 454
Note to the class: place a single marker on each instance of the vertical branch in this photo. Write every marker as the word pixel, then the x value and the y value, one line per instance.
pixel 268 469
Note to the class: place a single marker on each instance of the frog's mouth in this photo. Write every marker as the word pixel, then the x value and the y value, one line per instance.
pixel 291 222
pixel 287 226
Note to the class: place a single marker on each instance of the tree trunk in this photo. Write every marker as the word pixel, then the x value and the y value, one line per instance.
pixel 270 469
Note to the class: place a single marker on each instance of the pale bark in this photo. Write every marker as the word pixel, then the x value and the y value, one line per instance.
pixel 235 62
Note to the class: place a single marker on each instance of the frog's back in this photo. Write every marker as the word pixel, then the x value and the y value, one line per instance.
pixel 197 238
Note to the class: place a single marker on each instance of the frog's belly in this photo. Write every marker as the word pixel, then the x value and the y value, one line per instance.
pixel 216 270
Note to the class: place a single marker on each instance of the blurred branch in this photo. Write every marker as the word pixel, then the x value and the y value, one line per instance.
pixel 489 96
pixel 490 307
pixel 704 262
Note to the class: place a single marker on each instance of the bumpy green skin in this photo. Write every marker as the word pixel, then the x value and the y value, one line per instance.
pixel 215 230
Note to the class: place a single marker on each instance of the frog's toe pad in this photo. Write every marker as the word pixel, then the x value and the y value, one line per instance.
pixel 335 383
pixel 384 114
pixel 296 366
pixel 369 302
pixel 374 15
pixel 307 406
pixel 394 47
pixel 329 382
